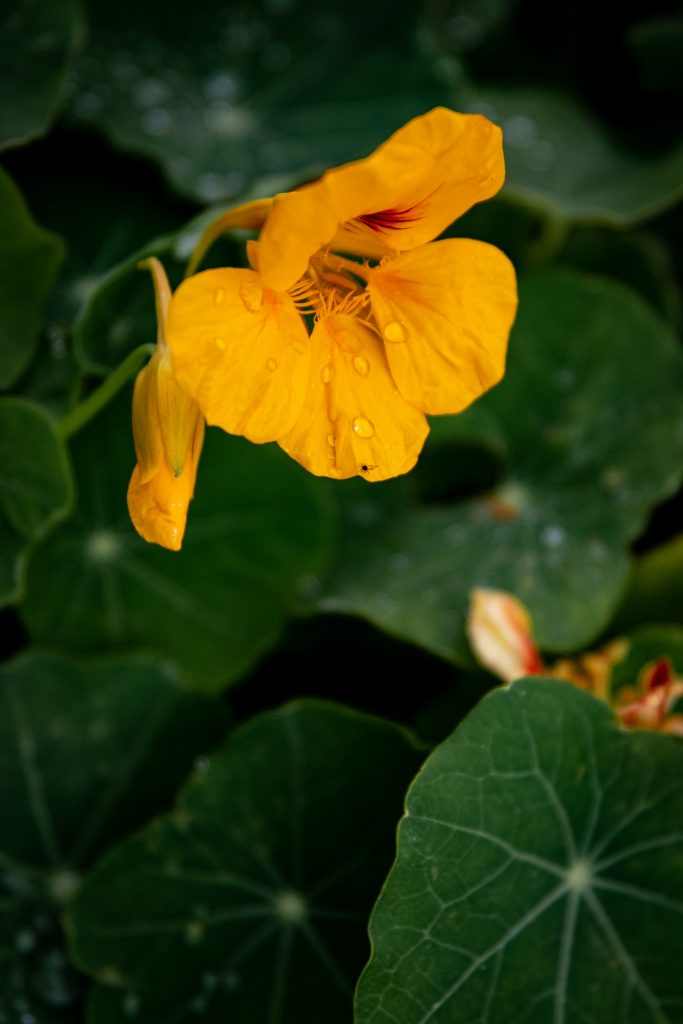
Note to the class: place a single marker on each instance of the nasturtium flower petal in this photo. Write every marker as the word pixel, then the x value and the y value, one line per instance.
pixel 354 422
pixel 158 506
pixel 241 351
pixel 445 311
pixel 403 195
pixel 149 445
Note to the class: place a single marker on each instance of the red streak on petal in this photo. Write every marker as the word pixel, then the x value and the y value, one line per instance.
pixel 660 674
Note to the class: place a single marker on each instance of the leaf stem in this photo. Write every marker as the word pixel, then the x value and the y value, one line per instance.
pixel 86 410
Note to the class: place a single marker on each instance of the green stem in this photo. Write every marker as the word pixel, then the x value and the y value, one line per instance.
pixel 101 396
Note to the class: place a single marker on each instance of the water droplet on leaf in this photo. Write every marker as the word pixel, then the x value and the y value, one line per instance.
pixel 361 366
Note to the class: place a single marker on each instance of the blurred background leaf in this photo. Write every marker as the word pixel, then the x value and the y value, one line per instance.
pixel 88 749
pixel 251 91
pixel 42 37
pixel 586 453
pixel 251 899
pixel 29 260
pixel 36 489
pixel 257 528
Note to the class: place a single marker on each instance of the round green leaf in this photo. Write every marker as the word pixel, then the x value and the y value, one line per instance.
pixel 558 157
pixel 89 749
pixel 249 902
pixel 239 92
pixel 38 43
pixel 35 486
pixel 256 528
pixel 539 873
pixel 29 259
pixel 590 418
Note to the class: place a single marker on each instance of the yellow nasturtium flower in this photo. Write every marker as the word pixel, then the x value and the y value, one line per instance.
pixel 400 325
pixel 168 429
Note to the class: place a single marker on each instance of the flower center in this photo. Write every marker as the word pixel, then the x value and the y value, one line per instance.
pixel 331 284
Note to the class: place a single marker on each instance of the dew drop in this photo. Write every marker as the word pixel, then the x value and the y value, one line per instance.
pixel 219 296
pixel 298 344
pixel 361 366
pixel 394 331
pixel 251 296
pixel 131 1004
pixel 553 536
pixel 326 374
pixel 194 932
pixel 219 343
pixel 331 440
pixel 272 365
pixel 363 427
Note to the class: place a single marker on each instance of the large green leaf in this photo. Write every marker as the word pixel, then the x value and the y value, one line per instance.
pixel 35 486
pixel 38 43
pixel 88 750
pixel 590 423
pixel 29 259
pixel 539 873
pixel 249 902
pixel 251 90
pixel 257 527
pixel 558 157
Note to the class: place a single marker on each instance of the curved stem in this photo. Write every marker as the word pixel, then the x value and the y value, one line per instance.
pixel 86 410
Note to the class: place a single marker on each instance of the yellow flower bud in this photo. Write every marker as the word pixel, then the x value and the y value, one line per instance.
pixel 168 429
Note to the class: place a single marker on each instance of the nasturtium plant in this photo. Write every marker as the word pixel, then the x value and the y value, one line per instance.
pixel 29 260
pixel 250 900
pixel 655 591
pixel 36 489
pixel 537 875
pixel 89 749
pixel 587 452
pixel 42 37
pixel 279 95
pixel 258 528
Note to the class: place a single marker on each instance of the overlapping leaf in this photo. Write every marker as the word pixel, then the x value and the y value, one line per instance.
pixel 602 182
pixel 42 37
pixel 247 91
pixel 250 901
pixel 88 750
pixel 590 425
pixel 35 486
pixel 257 527
pixel 538 874
pixel 29 259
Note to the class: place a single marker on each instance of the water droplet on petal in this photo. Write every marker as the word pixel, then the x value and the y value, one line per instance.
pixel 326 374
pixel 272 365
pixel 219 296
pixel 331 440
pixel 394 331
pixel 361 365
pixel 363 427
pixel 251 296
pixel 298 344
pixel 219 343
